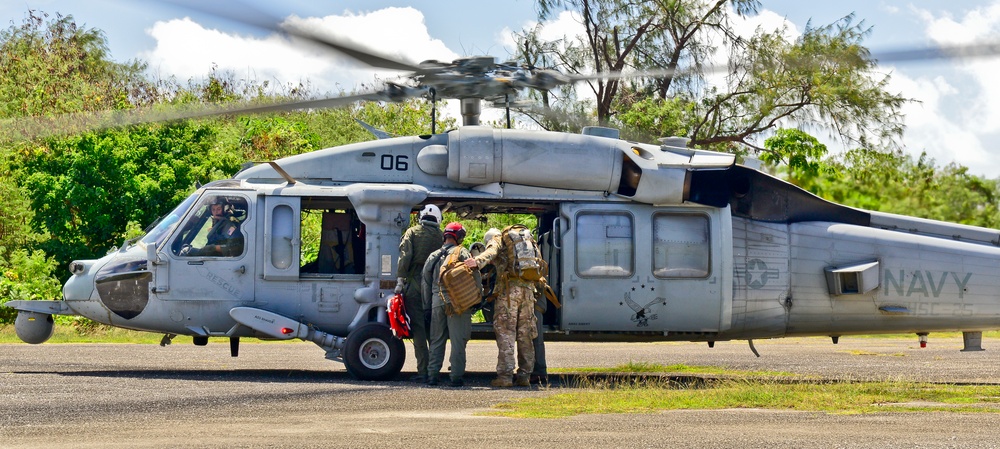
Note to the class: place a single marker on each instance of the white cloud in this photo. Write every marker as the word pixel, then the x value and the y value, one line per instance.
pixel 956 117
pixel 566 26
pixel 766 21
pixel 930 129
pixel 976 24
pixel 368 30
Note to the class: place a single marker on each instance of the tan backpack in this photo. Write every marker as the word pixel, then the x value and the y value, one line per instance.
pixel 523 253
pixel 458 281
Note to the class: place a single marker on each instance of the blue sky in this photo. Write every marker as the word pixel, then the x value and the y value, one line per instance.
pixel 956 117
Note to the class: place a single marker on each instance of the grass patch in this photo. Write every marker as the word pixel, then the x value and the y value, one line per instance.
pixel 837 398
pixel 89 334
pixel 647 367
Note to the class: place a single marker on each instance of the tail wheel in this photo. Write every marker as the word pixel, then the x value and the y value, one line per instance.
pixel 373 353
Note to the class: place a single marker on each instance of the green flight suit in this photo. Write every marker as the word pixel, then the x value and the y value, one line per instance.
pixel 417 243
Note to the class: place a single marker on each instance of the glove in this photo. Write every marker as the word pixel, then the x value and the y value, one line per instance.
pixel 400 284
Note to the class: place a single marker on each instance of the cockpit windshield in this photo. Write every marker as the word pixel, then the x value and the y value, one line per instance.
pixel 167 223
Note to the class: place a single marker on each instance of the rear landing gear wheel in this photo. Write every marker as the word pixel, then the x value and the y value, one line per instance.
pixel 372 353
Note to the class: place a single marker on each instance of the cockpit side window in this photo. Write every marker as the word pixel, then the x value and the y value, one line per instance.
pixel 213 228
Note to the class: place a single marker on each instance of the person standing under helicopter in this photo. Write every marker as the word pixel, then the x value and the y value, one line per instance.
pixel 445 326
pixel 513 314
pixel 417 243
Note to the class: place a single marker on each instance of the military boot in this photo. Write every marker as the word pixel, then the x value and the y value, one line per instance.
pixel 522 381
pixel 502 382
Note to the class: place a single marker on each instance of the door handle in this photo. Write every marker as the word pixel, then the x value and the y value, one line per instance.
pixel 241 270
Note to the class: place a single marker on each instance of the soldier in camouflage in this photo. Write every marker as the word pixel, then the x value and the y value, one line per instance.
pixel 418 242
pixel 513 315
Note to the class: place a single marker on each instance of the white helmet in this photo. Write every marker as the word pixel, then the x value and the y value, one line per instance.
pixel 431 210
pixel 493 232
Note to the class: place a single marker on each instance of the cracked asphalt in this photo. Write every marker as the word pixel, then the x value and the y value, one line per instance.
pixel 288 395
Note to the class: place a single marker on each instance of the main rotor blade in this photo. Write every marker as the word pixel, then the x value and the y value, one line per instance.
pixel 655 73
pixel 248 15
pixel 40 127
pixel 973 50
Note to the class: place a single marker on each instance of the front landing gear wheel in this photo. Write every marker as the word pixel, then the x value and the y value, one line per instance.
pixel 372 353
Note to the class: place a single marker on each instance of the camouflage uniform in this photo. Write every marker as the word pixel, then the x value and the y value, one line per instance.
pixel 417 243
pixel 513 316
pixel 540 372
pixel 457 328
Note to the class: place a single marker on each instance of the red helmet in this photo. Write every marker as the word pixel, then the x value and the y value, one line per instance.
pixel 456 230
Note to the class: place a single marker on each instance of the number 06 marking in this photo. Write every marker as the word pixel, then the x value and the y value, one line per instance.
pixel 398 163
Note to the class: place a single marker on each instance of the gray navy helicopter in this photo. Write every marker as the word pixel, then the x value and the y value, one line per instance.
pixel 644 242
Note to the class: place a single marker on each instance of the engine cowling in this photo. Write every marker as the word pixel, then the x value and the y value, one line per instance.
pixel 34 327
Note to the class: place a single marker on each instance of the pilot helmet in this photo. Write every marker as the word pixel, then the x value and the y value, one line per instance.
pixel 430 210
pixel 220 201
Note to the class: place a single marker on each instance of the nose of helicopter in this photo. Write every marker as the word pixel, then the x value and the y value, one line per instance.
pixel 116 284
pixel 78 291
pixel 79 286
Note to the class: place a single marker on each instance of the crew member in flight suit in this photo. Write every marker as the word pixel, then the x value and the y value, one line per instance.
pixel 224 238
pixel 418 242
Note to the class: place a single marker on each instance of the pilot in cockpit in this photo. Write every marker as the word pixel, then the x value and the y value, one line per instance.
pixel 223 237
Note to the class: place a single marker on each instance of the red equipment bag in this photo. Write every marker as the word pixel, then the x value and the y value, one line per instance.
pixel 399 321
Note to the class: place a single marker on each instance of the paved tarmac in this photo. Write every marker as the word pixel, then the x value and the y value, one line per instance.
pixel 287 395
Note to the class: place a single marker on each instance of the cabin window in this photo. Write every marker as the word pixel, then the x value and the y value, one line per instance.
pixel 332 238
pixel 214 228
pixel 605 246
pixel 680 246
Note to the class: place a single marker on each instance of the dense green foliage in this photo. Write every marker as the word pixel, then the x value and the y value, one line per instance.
pixel 86 188
pixel 74 72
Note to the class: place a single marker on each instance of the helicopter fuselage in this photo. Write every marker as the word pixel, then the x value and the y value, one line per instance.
pixel 643 242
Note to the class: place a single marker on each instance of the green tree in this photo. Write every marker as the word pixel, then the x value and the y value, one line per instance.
pixel 53 66
pixel 824 80
pixel 48 67
pixel 85 189
pixel 800 154
pixel 26 275
pixel 901 184
pixel 622 35
pixel 652 117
